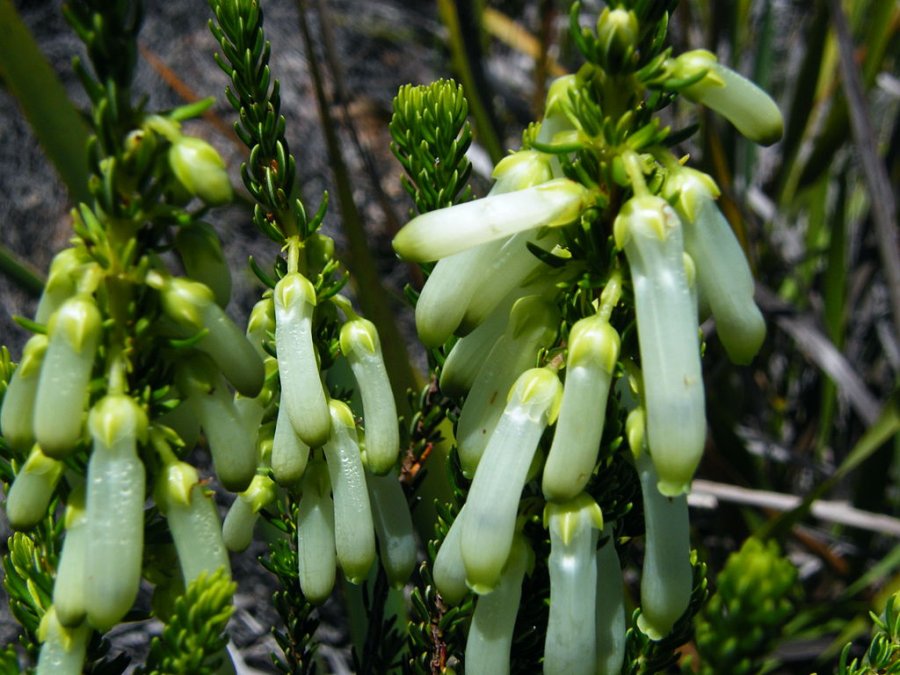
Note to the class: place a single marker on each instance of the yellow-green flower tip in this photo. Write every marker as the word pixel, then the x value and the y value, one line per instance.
pixel 117 417
pixel 521 170
pixel 570 514
pixel 260 493
pixel 359 334
pixel 690 271
pixel 617 32
pixel 538 389
pixel 262 316
pixel 341 414
pixel 200 169
pixel 635 430
pixel 293 289
pixel 32 356
pixel 687 189
pixel 175 485
pixel 647 215
pixel 675 488
pixel 79 321
pixel 593 340
pixel 39 463
pixel 184 300
pixel 532 310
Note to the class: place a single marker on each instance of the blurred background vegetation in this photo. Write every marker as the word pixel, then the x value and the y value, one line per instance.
pixel 804 447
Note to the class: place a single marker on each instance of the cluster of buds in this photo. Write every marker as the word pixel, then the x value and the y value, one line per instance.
pixel 639 242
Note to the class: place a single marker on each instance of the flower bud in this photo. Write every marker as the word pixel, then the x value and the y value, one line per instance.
pixel 261 325
pixel 68 587
pixel 315 536
pixel 289 453
pixel 493 500
pixel 393 527
pixel 73 335
pixel 489 644
pixel 651 235
pixel 302 392
pixel 32 489
pixel 362 348
pixel 570 644
pixel 17 413
pixel 62 282
pixel 591 362
pixel 200 250
pixel 449 570
pixel 237 530
pixel 200 170
pixel 441 233
pixel 617 37
pixel 354 531
pixel 746 106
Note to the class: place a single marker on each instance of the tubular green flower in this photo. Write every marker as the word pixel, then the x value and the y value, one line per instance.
pixel 315 536
pixel 489 644
pixel 650 233
pixel 723 275
pixel 469 353
pixel 192 305
pixel 233 450
pixel 610 608
pixel 393 527
pixel 68 587
pixel 532 325
pixel 751 110
pixel 32 489
pixel 361 346
pixel 454 280
pixel 17 414
pixel 193 520
pixel 449 571
pixel 62 649
pixel 591 361
pixel 62 282
pixel 441 233
pixel 493 500
pixel 237 530
pixel 354 530
pixel 73 336
pixel 289 453
pixel 570 646
pixel 301 385
pixel 261 325
pixel 666 576
pixel 114 510
pixel 200 169
pixel 200 251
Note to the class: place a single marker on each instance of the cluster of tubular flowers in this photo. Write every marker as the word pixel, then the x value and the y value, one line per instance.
pixel 350 498
pixel 500 302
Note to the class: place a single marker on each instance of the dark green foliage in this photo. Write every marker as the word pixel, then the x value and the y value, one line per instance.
pixel 882 657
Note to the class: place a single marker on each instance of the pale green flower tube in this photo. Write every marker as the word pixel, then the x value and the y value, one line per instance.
pixel 261 325
pixel 489 644
pixel 723 275
pixel 17 414
pixel 393 527
pixel 233 450
pixel 114 510
pixel 454 280
pixel 237 530
pixel 441 233
pixel 73 335
pixel 200 169
pixel 315 536
pixel 362 347
pixel 298 367
pixel 469 354
pixel 532 325
pixel 192 305
pixel 751 110
pixel 666 576
pixel 449 571
pixel 590 364
pixel 62 649
pixel 193 521
pixel 493 499
pixel 354 531
pixel 32 489
pixel 68 588
pixel 62 282
pixel 650 234
pixel 570 646
pixel 200 250
pixel 610 617
pixel 289 453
